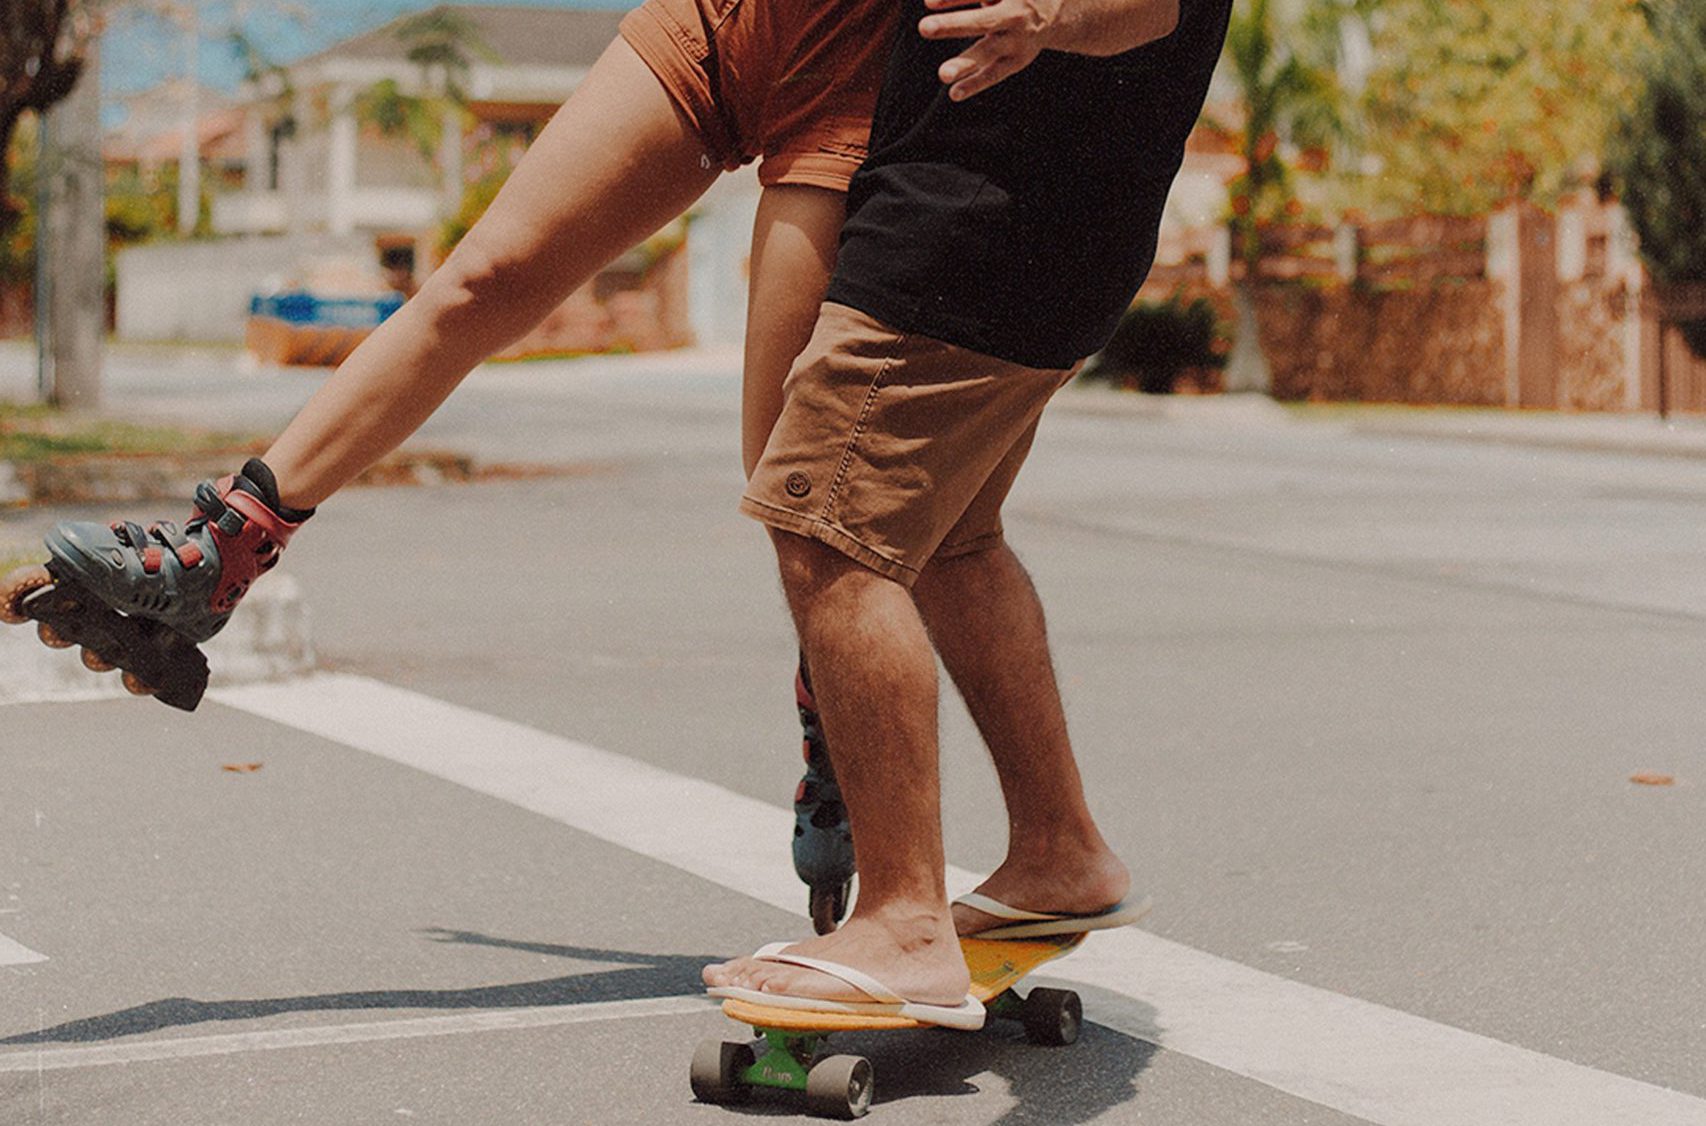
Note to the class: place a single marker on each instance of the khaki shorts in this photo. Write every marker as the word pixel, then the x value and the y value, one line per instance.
pixel 790 82
pixel 896 449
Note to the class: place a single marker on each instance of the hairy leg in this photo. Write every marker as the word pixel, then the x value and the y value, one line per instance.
pixel 986 621
pixel 616 163
pixel 876 678
pixel 793 250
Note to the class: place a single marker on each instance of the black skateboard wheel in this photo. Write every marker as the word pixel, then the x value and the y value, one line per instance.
pixel 1052 1016
pixel 717 1069
pixel 840 1087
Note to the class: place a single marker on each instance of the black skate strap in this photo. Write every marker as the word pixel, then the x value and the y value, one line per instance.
pixel 131 534
pixel 165 534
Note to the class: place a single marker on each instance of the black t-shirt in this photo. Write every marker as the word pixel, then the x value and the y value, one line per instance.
pixel 1021 222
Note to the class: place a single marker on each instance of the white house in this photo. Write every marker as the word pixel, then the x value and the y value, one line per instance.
pixel 318 182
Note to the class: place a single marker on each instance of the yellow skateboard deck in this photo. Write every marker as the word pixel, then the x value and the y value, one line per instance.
pixel 996 966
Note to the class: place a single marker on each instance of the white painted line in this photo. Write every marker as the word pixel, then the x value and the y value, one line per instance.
pixel 229 1043
pixel 17 954
pixel 1379 1064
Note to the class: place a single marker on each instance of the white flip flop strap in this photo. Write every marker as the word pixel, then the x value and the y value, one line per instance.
pixel 1000 910
pixel 863 982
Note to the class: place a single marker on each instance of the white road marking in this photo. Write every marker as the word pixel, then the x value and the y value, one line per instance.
pixel 14 953
pixel 230 1043
pixel 1385 1066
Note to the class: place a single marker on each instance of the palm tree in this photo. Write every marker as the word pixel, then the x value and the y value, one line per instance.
pixel 1286 96
pixel 443 43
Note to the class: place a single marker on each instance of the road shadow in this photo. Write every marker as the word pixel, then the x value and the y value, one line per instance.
pixel 637 976
pixel 1048 1086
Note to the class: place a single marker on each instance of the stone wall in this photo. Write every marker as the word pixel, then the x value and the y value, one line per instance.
pixel 1523 308
pixel 1593 365
pixel 639 310
pixel 1437 345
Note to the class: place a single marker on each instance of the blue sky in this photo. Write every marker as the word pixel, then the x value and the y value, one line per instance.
pixel 140 51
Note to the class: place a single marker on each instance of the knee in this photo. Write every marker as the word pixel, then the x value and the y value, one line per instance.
pixel 807 566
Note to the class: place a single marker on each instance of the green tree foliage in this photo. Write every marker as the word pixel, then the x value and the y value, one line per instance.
pixel 1477 103
pixel 41 55
pixel 1289 92
pixel 444 44
pixel 1658 152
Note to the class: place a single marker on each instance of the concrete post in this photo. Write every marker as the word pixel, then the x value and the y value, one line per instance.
pixel 257 151
pixel 450 159
pixel 1220 258
pixel 340 171
pixel 293 178
pixel 1347 252
pixel 189 145
pixel 1623 262
pixel 1522 253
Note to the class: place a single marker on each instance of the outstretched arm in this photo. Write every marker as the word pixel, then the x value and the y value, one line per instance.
pixel 1010 34
pixel 615 164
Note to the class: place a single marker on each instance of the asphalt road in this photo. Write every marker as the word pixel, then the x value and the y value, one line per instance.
pixel 1360 710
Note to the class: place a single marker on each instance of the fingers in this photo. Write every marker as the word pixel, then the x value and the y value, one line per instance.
pixel 1008 35
pixel 986 62
pixel 1014 16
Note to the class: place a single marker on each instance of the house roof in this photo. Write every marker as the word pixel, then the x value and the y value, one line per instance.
pixel 517 35
pixel 153 125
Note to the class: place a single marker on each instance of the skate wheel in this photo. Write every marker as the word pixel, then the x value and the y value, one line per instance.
pixel 94 662
pixel 16 586
pixel 840 1087
pixel 1052 1016
pixel 717 1069
pixel 50 638
pixel 828 905
pixel 135 687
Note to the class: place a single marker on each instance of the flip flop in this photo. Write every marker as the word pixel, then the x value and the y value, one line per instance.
pixel 966 1016
pixel 1037 924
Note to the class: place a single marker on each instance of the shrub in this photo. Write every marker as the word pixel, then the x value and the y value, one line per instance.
pixel 1157 341
pixel 1658 155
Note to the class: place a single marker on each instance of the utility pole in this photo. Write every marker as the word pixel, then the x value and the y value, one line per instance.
pixel 72 245
pixel 189 147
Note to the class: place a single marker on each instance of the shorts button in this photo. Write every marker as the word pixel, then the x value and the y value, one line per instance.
pixel 798 484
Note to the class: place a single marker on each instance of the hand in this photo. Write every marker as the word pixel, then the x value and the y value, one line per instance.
pixel 1009 35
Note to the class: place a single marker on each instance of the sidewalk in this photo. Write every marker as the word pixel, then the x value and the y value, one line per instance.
pixel 1640 434
pixel 214 387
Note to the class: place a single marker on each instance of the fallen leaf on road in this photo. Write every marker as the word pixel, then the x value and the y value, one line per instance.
pixel 1648 778
pixel 241 767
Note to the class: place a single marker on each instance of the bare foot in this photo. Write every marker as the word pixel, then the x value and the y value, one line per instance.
pixel 1057 881
pixel 917 957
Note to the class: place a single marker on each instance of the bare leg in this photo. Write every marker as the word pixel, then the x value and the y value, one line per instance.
pixel 987 623
pixel 876 678
pixel 616 163
pixel 793 251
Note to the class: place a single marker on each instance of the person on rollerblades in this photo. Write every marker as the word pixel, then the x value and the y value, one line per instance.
pixel 690 88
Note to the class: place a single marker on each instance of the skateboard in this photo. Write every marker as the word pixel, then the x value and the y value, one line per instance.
pixel 788 1056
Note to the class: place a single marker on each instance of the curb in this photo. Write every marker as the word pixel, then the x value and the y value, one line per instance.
pixel 268 638
pixel 101 479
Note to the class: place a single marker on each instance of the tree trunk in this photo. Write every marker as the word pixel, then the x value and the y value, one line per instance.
pixel 72 236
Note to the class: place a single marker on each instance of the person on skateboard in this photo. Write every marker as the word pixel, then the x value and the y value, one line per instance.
pixel 1020 158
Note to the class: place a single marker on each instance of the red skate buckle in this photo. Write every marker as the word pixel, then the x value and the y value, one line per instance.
pixel 151 560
